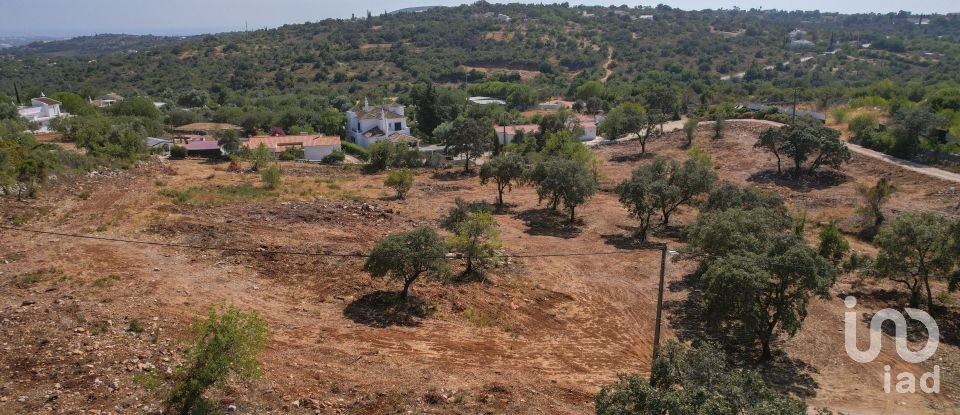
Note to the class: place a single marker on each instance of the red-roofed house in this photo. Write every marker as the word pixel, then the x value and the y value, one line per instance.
pixel 315 147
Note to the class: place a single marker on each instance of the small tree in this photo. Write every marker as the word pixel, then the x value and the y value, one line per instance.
pixel 471 138
pixel 677 184
pixel 260 156
pixel 401 181
pixel 504 170
pixel 271 177
pixel 873 200
pixel 771 140
pixel 408 256
pixel 228 139
pixel 630 118
pixel 636 195
pixel 227 342
pixel 690 129
pixel 478 239
pixel 694 381
pixel 833 246
pixel 566 181
pixel 719 124
pixel 914 249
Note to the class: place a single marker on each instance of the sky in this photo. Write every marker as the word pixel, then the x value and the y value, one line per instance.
pixel 184 17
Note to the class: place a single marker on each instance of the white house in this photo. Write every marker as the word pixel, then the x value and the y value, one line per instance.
pixel 503 18
pixel 506 133
pixel 374 123
pixel 42 110
pixel 589 125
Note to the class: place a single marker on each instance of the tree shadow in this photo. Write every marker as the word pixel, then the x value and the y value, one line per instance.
pixel 948 320
pixel 631 158
pixel 452 175
pixel 686 319
pixel 818 181
pixel 384 309
pixel 548 222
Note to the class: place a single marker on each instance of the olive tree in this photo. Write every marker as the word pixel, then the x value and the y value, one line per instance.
pixel 805 143
pixel 630 118
pixel 566 181
pixel 914 249
pixel 690 129
pixel 407 256
pixel 504 170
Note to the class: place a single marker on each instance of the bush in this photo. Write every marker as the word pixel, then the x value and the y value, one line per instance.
pixel 178 152
pixel 227 342
pixel 401 181
pixel 291 153
pixel 271 177
pixel 355 150
pixel 333 158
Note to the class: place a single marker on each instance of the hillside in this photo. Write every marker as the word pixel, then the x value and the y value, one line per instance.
pixel 708 56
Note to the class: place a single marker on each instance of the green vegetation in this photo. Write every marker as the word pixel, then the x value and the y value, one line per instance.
pixel 833 246
pixel 804 142
pixel 694 381
pixel 271 177
pixel 873 200
pixel 385 155
pixel 914 249
pixel 478 239
pixel 408 256
pixel 227 343
pixel 401 181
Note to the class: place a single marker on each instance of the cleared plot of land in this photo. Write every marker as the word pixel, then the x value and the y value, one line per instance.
pixel 540 337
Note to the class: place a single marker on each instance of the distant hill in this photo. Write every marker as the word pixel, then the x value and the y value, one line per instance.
pixel 95 45
pixel 414 9
pixel 700 57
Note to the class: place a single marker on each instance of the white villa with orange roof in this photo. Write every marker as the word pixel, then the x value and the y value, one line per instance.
pixel 374 123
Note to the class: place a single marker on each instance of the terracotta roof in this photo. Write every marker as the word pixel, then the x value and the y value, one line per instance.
pixel 48 101
pixel 512 129
pixel 207 127
pixel 401 137
pixel 278 143
pixel 374 113
pixel 202 145
pixel 374 132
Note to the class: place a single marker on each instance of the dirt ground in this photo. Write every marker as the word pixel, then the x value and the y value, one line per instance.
pixel 539 337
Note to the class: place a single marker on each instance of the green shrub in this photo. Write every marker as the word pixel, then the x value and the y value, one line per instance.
pixel 271 177
pixel 333 158
pixel 401 181
pixel 291 153
pixel 135 326
pixel 355 150
pixel 228 342
pixel 178 152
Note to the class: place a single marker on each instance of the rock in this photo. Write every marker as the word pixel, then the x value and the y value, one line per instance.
pixel 232 408
pixel 22 398
pixel 27 302
pixel 52 396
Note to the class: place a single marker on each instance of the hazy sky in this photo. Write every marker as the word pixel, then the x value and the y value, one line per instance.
pixel 76 17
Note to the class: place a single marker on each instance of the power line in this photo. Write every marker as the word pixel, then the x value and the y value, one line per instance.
pixel 300 253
